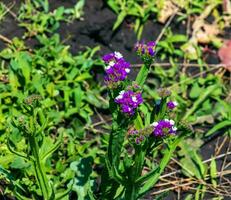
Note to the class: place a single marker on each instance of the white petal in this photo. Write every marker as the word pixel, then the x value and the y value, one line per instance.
pixel 154 124
pixel 175 103
pixel 118 55
pixel 119 97
pixel 122 92
pixel 174 128
pixel 107 67
pixel 134 99
pixel 127 70
pixel 172 122
pixel 111 63
pixel 167 120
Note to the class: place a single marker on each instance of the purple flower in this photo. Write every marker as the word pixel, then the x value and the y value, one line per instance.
pixel 139 139
pixel 146 50
pixel 151 44
pixel 117 68
pixel 151 51
pixel 172 104
pixel 129 101
pixel 163 128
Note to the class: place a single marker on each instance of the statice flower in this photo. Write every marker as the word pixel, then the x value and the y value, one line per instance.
pixel 117 68
pixel 135 136
pixel 171 104
pixel 163 92
pixel 129 101
pixel 163 128
pixel 146 51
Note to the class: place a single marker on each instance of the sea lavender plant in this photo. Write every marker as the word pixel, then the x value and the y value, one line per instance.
pixel 31 125
pixel 132 128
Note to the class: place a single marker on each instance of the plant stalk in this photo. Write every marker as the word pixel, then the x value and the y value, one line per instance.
pixel 131 192
pixel 39 171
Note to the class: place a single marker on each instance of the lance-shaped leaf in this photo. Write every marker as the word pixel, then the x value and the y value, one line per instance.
pixel 155 176
pixel 142 75
pixel 219 126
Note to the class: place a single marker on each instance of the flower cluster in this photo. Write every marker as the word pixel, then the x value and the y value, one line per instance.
pixel 129 101
pixel 117 68
pixel 146 51
pixel 171 104
pixel 136 136
pixel 164 127
pixel 163 92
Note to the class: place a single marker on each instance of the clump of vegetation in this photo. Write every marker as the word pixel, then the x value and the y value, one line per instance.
pixel 78 126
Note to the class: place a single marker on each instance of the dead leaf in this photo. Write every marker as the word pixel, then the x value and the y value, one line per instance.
pixel 168 9
pixel 224 54
pixel 204 32
pixel 226 6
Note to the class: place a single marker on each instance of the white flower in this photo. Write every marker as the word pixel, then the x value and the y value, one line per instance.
pixel 134 99
pixel 154 124
pixel 127 70
pixel 167 120
pixel 172 122
pixel 118 55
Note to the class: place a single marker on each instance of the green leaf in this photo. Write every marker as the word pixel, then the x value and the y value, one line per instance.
pixel 213 172
pixel 178 38
pixel 120 19
pixel 142 75
pixel 196 91
pixel 198 161
pixel 189 168
pixel 6 173
pixel 155 176
pixel 78 94
pixel 82 183
pixel 114 6
pixel 83 77
pixel 200 100
pixel 218 126
pixel 138 122
pixel 119 191
pixel 189 197
pixel 19 163
pixel 48 147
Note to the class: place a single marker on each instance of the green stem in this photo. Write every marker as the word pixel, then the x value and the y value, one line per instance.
pixel 154 178
pixel 131 192
pixel 40 174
